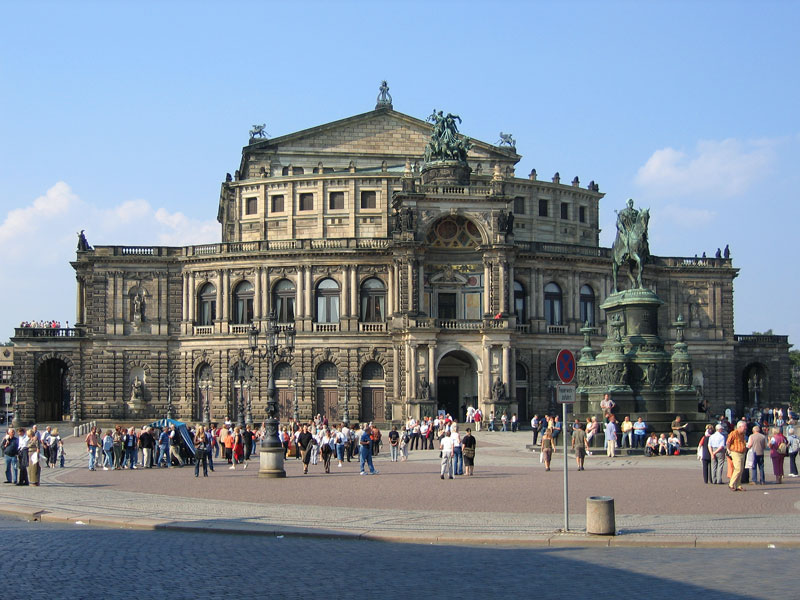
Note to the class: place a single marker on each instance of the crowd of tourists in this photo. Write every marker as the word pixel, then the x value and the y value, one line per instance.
pixel 42 324
pixel 27 451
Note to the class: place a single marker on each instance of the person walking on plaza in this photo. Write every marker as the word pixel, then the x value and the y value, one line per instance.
pixel 611 437
pixel 364 453
pixel 737 447
pixel 200 451
pixel 304 443
pixel 478 417
pixel 54 443
pixel 716 448
pixel 757 443
pixel 327 442
pixel 22 457
pixel 10 451
pixel 446 446
pixel 535 428
pixel 458 452
pixel 91 447
pixel 778 449
pixel 394 444
pixel 592 429
pixel 548 447
pixel 794 447
pixel 468 444
pixel 704 454
pixel 34 457
pixel 163 449
pixel 579 445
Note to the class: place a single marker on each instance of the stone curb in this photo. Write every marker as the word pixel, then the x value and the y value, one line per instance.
pixel 554 540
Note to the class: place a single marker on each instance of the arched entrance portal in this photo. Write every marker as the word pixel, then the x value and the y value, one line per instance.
pixel 457 384
pixel 52 390
pixel 755 389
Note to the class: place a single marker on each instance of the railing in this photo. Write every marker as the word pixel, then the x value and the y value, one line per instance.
pixel 523 328
pixel 372 327
pixel 700 262
pixel 326 327
pixel 758 340
pixel 47 332
pixel 573 249
pixel 328 243
pixel 203 330
pixel 238 328
pixel 558 329
pixel 496 323
pixel 372 243
pixel 139 250
pixel 243 247
pixel 460 324
pixel 423 322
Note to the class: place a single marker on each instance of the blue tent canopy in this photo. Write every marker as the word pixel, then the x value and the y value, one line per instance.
pixel 180 427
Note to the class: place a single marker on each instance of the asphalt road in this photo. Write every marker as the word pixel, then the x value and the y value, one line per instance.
pixel 79 562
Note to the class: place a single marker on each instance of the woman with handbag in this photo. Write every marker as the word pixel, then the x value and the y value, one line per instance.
pixel 548 447
pixel 200 451
pixel 468 450
pixel 778 449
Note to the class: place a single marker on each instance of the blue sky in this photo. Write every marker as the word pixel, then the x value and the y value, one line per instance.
pixel 123 118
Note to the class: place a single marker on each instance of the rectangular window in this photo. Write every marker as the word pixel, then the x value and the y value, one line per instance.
pixel 335 201
pixel 519 206
pixel 564 210
pixel 582 214
pixel 447 306
pixel 251 206
pixel 368 200
pixel 542 208
pixel 277 204
pixel 306 202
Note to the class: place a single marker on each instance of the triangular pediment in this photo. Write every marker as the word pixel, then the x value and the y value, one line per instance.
pixel 381 132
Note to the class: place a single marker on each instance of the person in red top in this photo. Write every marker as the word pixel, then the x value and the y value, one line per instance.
pixel 737 447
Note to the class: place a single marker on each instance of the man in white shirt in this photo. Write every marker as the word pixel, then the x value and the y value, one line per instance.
pixel 446 446
pixel 716 447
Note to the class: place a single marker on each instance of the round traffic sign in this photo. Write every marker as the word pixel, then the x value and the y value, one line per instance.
pixel 565 366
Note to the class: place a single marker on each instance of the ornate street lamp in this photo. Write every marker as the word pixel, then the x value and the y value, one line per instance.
pixel 171 380
pixel 297 382
pixel 271 455
pixel 349 383
pixel 241 372
pixel 206 385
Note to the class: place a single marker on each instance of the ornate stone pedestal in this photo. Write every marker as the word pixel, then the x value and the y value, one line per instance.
pixel 271 461
pixel 446 172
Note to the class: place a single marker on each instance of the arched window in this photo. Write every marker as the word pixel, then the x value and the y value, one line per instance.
pixel 372 371
pixel 207 304
pixel 521 374
pixel 373 300
pixel 552 304
pixel 283 298
pixel 327 372
pixel 327 301
pixel 520 302
pixel 587 305
pixel 282 371
pixel 243 303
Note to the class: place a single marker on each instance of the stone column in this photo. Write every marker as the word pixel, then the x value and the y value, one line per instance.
pixel 266 296
pixel 192 298
pixel 511 306
pixel 354 291
pixel 507 369
pixel 219 296
pixel 309 293
pixel 484 382
pixel 413 371
pixel 421 284
pixel 432 368
pixel 390 291
pixel 226 295
pixel 410 284
pixel 185 297
pixel 300 295
pixel 395 374
pixel 79 307
pixel 345 288
pixel 257 294
pixel 487 286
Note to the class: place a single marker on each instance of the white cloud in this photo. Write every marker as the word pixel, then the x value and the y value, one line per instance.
pixel 37 242
pixel 685 216
pixel 724 168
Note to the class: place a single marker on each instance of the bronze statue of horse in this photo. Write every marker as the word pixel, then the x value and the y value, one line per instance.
pixel 632 247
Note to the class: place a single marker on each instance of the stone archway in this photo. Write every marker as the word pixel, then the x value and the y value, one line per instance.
pixel 457 383
pixel 52 401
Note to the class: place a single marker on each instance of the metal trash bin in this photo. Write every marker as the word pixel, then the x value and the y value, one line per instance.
pixel 600 515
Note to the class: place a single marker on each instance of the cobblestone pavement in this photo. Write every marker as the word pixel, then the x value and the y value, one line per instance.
pixel 101 563
pixel 511 499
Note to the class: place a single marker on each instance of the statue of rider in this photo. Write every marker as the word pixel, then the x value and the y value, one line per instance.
pixel 626 220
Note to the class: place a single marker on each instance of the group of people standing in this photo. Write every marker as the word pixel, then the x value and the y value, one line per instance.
pixel 25 451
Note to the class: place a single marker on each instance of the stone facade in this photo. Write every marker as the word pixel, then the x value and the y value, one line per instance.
pixel 407 294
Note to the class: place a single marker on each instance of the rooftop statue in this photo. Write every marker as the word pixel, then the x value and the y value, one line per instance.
pixel 630 245
pixel 445 142
pixel 506 139
pixel 384 97
pixel 258 131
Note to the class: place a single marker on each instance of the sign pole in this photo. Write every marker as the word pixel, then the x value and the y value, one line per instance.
pixel 566 464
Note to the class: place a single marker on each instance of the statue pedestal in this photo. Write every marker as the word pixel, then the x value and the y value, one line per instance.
pixel 446 172
pixel 271 462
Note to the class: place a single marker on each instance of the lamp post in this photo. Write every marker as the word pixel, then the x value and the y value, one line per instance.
pixel 271 454
pixel 206 385
pixel 240 372
pixel 172 380
pixel 349 382
pixel 297 382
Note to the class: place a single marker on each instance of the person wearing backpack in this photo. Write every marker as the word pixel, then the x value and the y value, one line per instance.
pixel 778 449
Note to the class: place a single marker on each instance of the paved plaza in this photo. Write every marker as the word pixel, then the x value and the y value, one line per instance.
pixel 511 500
